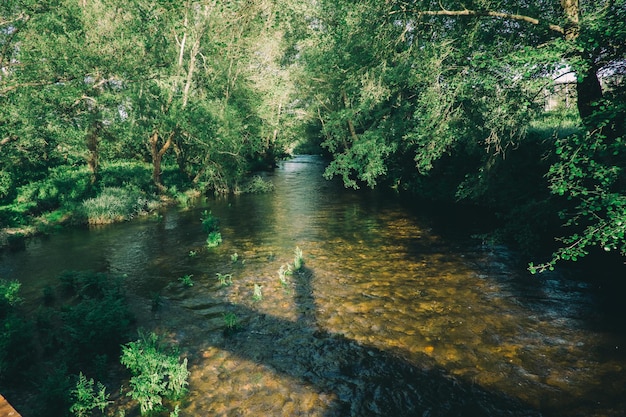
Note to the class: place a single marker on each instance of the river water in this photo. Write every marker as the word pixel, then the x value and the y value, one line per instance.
pixel 393 314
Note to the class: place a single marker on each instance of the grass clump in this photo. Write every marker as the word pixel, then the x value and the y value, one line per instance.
pixel 115 204
pixel 231 321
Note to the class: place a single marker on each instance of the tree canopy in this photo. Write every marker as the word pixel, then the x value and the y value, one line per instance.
pixel 422 92
pixel 444 99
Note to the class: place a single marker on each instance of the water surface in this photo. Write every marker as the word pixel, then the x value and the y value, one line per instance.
pixel 391 315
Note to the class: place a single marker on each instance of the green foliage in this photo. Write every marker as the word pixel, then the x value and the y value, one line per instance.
pixel 97 326
pixel 225 280
pixel 9 295
pixel 298 261
pixel 590 174
pixel 186 280
pixel 209 222
pixel 15 334
pixel 284 272
pixel 257 294
pixel 257 185
pixel 214 240
pixel 231 321
pixel 98 320
pixel 54 392
pixel 61 185
pixel 234 257
pixel 156 370
pixel 134 107
pixel 115 204
pixel 86 397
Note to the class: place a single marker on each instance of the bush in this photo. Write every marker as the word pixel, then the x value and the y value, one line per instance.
pixel 15 333
pixel 156 372
pixel 85 398
pixel 63 184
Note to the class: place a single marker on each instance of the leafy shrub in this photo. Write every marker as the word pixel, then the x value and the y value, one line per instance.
pixel 63 184
pixel 86 398
pixel 97 326
pixel 54 392
pixel 8 295
pixel 157 372
pixel 126 174
pixel 99 320
pixel 15 333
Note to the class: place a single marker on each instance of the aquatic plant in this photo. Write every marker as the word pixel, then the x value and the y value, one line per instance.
pixel 298 260
pixel 156 302
pixel 156 370
pixel 234 257
pixel 258 185
pixel 213 240
pixel 86 398
pixel 257 295
pixel 283 273
pixel 225 280
pixel 231 321
pixel 209 222
pixel 186 280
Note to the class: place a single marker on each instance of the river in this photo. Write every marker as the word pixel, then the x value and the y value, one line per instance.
pixel 393 313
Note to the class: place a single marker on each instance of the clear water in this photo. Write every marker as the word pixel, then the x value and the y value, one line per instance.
pixel 391 315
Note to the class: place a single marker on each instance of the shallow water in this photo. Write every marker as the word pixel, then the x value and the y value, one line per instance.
pixel 391 315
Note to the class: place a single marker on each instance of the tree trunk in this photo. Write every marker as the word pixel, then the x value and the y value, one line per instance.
pixel 588 88
pixel 93 151
pixel 157 157
pixel 589 92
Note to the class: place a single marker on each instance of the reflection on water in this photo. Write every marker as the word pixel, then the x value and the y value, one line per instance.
pixel 388 317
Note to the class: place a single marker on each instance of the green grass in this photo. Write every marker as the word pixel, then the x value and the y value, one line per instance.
pixel 115 204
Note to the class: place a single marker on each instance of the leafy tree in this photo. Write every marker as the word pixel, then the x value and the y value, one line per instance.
pixel 404 90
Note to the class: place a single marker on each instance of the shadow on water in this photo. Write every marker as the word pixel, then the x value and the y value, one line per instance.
pixel 360 380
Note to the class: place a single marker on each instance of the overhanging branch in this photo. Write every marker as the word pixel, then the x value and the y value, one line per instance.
pixel 491 13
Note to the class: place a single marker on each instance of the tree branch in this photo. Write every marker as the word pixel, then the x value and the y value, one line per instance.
pixel 491 13
pixel 7 140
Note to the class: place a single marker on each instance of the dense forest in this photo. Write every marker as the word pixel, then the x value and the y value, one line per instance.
pixel 110 108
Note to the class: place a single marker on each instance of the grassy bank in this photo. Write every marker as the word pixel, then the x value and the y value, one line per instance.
pixel 66 196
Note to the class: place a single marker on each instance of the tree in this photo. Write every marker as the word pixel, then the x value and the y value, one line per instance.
pixel 447 89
